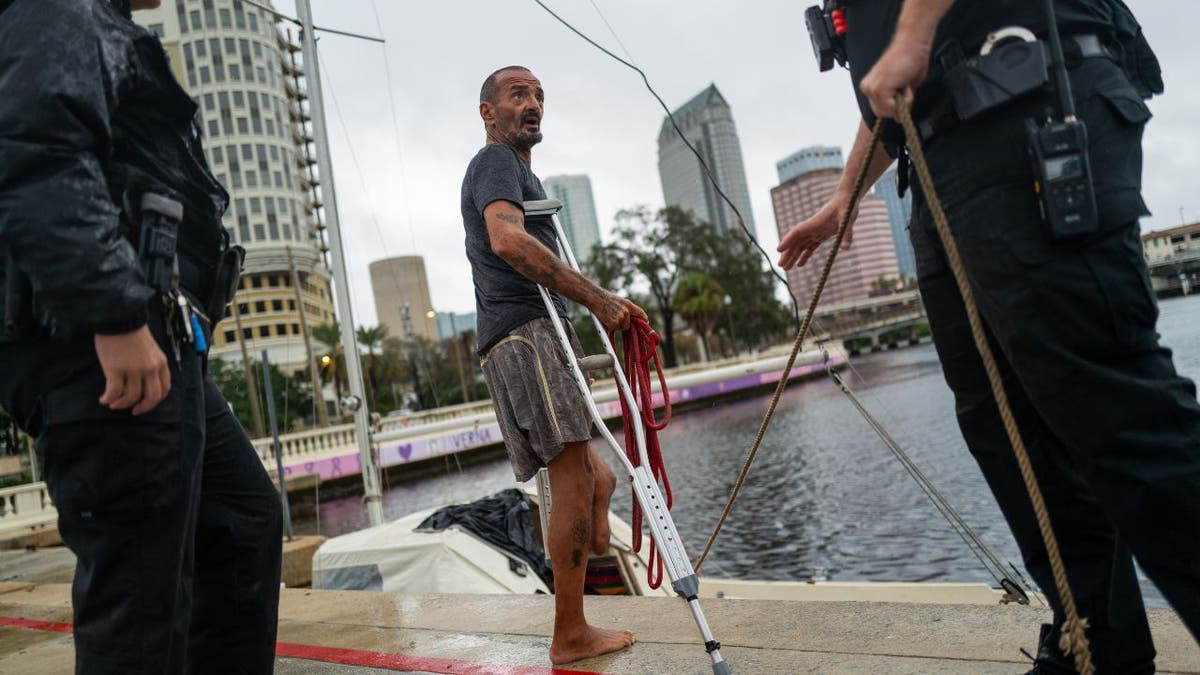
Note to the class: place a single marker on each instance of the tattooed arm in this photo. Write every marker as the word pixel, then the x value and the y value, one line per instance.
pixel 532 260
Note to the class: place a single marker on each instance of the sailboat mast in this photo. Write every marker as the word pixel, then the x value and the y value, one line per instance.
pixel 372 498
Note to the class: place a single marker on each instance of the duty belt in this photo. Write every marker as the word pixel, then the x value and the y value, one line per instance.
pixel 942 117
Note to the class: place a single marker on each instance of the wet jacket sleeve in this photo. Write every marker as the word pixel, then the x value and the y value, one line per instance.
pixel 59 81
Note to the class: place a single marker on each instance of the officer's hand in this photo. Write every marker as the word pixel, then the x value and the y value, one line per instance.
pixel 798 245
pixel 135 371
pixel 900 70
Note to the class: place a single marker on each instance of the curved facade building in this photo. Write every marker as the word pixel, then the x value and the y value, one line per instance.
pixel 244 74
pixel 808 179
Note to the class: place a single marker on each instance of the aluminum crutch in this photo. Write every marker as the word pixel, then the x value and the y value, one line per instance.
pixel 678 567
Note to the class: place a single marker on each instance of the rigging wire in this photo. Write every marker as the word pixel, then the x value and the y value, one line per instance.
pixel 700 158
pixel 973 541
pixel 995 568
pixel 387 71
pixel 363 182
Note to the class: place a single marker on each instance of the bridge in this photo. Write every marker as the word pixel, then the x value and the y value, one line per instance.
pixel 1180 275
pixel 875 323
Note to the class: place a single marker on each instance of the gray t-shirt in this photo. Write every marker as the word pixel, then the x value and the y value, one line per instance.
pixel 503 298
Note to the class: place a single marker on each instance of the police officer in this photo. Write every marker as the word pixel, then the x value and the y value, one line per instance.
pixel 114 261
pixel 1112 430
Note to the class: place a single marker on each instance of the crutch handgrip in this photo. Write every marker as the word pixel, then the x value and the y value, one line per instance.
pixel 595 362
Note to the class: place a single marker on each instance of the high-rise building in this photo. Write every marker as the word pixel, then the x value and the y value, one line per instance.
pixel 707 123
pixel 244 74
pixel 450 324
pixel 807 181
pixel 578 215
pixel 899 209
pixel 402 301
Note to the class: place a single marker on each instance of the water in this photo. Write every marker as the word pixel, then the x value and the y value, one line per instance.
pixel 824 491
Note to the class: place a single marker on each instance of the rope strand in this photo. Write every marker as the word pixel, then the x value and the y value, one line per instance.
pixel 1074 640
pixel 859 180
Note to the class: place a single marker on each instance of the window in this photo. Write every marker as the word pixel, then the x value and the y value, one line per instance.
pixel 251 178
pixel 264 331
pixel 270 127
pixel 277 305
pixel 262 161
pixel 272 280
pixel 218 67
pixel 244 48
pixel 157 29
pixel 257 49
pixel 194 15
pixel 281 329
pixel 256 282
pixel 201 49
pixel 255 207
pixel 274 153
pixel 226 18
pixel 210 103
pixel 239 15
pixel 242 127
pixel 237 179
pixel 230 336
pixel 205 75
pixel 181 14
pixel 243 227
pixel 239 99
pixel 273 226
pixel 261 74
pixel 218 155
pixel 278 179
pixel 253 21
pixel 295 329
pixel 246 334
pixel 213 129
pixel 291 305
pixel 260 306
pixel 260 232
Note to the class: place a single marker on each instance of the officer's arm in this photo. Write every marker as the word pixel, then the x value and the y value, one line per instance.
pixel 532 260
pixel 57 220
pixel 919 20
pixel 903 66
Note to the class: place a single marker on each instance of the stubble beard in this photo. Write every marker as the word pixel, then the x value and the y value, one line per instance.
pixel 526 141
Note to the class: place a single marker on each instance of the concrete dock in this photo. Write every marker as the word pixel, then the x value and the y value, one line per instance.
pixel 338 632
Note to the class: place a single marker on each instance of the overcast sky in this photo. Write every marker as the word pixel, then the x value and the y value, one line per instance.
pixel 398 179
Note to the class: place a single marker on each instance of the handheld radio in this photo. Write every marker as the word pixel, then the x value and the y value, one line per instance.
pixel 1059 150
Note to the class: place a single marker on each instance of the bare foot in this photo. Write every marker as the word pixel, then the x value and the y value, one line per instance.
pixel 606 483
pixel 587 643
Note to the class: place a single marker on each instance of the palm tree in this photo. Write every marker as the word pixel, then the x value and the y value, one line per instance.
pixel 699 299
pixel 330 335
pixel 372 337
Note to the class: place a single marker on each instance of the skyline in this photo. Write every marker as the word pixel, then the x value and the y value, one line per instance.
pixel 399 178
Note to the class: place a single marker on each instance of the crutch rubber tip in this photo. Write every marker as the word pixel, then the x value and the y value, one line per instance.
pixel 721 668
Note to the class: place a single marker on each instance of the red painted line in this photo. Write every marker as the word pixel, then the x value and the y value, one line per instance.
pixel 403 662
pixel 49 626
pixel 353 657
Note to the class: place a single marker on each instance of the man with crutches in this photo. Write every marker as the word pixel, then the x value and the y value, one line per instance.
pixel 541 412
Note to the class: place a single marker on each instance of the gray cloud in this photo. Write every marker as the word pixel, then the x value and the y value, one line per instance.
pixel 600 120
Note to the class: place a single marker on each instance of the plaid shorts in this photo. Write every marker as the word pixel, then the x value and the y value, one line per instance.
pixel 538 403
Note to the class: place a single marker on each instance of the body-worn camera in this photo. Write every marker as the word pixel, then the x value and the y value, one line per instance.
pixel 1063 177
pixel 826 26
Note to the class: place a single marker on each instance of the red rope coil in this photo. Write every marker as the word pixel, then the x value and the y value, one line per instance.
pixel 640 344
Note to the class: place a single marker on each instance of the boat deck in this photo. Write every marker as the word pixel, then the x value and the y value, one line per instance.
pixel 334 632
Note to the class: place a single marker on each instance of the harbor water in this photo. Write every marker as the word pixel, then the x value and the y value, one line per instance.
pixel 825 493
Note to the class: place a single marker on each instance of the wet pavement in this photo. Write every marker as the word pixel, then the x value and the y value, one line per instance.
pixel 338 632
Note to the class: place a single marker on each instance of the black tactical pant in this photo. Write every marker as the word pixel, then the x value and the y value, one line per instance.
pixel 1112 430
pixel 173 519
